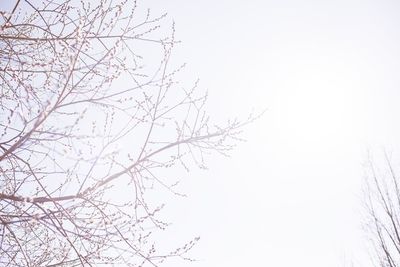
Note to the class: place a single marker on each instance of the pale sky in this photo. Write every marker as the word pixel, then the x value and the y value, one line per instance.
pixel 327 71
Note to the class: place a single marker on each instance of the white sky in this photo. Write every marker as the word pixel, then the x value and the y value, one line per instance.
pixel 328 73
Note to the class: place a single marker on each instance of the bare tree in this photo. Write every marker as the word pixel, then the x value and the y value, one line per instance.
pixel 383 211
pixel 92 118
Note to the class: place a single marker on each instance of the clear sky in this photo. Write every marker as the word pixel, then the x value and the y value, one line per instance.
pixel 328 73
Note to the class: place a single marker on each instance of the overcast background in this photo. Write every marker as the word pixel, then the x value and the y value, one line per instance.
pixel 327 71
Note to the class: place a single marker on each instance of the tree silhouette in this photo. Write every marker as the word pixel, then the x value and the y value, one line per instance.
pixel 92 120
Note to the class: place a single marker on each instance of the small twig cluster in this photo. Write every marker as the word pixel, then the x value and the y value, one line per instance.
pixel 383 211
